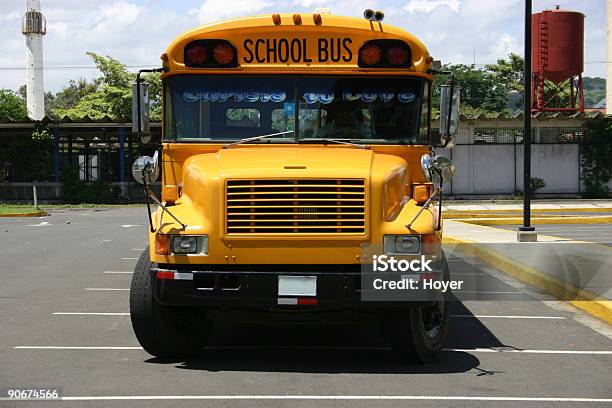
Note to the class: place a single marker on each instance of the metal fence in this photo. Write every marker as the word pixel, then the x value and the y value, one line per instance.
pixel 548 135
pixel 490 163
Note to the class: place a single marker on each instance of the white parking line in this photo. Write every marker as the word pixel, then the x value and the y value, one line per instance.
pixel 105 289
pixel 119 272
pixel 509 317
pixel 137 249
pixel 91 314
pixel 129 259
pixel 486 350
pixel 78 348
pixel 327 397
pixel 41 224
pixel 455 316
pixel 476 350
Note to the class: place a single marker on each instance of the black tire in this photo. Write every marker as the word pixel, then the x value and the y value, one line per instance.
pixel 161 330
pixel 417 333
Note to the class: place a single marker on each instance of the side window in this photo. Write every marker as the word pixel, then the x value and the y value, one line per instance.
pixel 239 117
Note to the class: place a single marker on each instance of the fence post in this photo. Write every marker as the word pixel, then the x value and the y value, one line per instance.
pixel 579 171
pixel 56 155
pixel 122 161
pixel 121 154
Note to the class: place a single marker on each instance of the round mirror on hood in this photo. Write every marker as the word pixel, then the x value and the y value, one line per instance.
pixel 444 168
pixel 146 166
pixel 426 161
pixel 437 169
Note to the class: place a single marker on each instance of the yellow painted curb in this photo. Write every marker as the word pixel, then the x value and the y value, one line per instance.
pixel 533 210
pixel 26 214
pixel 539 220
pixel 582 299
pixel 462 216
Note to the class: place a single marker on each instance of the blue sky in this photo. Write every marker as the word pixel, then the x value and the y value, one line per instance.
pixel 137 31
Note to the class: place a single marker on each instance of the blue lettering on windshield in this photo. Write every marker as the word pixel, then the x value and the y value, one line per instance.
pixel 323 97
pixel 406 96
pixel 236 96
pixel 366 96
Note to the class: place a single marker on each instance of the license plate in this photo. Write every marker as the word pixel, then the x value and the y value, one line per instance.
pixel 297 285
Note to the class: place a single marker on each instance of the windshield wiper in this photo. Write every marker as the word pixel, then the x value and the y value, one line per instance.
pixel 252 139
pixel 338 141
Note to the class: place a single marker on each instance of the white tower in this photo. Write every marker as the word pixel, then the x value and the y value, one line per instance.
pixel 609 65
pixel 34 27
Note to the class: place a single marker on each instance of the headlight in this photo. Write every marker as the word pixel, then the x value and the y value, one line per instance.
pixel 190 244
pixel 402 244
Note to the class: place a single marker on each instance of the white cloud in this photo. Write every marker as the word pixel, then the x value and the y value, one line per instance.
pixel 505 45
pixel 14 15
pixel 427 6
pixel 310 3
pixel 115 14
pixel 59 28
pixel 213 10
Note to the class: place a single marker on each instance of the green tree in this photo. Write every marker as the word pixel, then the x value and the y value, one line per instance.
pixel 12 106
pixel 108 95
pixel 596 150
pixel 594 91
pixel 71 94
pixel 510 73
pixel 480 93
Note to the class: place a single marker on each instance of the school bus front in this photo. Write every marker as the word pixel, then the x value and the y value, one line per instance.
pixel 290 157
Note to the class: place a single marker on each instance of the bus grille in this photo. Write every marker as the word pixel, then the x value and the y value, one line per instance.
pixel 297 206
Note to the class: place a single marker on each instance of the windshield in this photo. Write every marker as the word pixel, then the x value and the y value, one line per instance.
pixel 230 108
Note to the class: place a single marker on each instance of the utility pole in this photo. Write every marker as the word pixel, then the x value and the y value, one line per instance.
pixel 34 27
pixel 527 233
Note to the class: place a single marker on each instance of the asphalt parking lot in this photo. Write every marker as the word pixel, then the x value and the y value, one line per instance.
pixel 65 324
pixel 598 233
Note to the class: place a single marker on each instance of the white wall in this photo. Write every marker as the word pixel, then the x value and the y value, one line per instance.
pixel 497 169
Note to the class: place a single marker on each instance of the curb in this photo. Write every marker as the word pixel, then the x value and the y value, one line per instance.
pixel 538 220
pixel 582 299
pixel 533 210
pixel 25 214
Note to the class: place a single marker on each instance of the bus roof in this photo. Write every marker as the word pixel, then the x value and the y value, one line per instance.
pixel 300 42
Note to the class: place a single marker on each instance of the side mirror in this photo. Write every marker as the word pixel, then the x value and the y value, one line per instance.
pixel 146 169
pixel 140 110
pixel 437 169
pixel 449 114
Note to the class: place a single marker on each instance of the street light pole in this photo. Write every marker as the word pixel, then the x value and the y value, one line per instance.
pixel 526 233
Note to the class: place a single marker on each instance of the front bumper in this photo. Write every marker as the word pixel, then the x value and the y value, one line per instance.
pixel 256 288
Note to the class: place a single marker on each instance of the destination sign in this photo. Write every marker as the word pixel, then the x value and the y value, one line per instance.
pixel 297 50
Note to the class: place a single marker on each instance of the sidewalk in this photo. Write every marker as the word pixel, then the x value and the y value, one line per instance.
pixel 575 271
pixel 536 205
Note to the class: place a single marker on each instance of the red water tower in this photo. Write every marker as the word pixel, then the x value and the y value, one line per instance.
pixel 557 39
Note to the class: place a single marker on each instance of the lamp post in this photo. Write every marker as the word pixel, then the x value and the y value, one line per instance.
pixel 527 233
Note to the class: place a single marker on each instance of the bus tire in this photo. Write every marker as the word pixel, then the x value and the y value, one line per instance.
pixel 163 331
pixel 417 333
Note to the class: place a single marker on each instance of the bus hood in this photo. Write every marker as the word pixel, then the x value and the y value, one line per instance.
pixel 364 178
pixel 288 162
pixel 306 161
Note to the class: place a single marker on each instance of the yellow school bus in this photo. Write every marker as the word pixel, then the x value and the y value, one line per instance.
pixel 296 149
